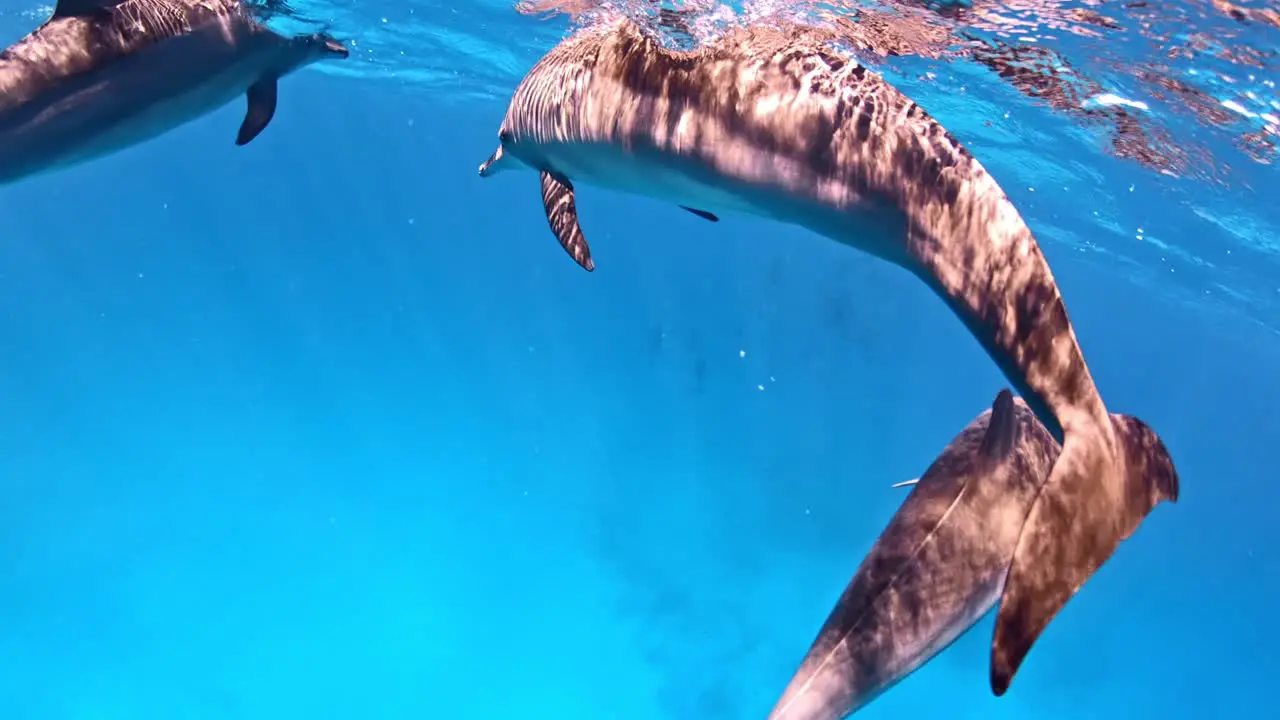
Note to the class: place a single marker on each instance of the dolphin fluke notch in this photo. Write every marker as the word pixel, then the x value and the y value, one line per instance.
pixel 562 215
pixel 261 99
pixel 1075 525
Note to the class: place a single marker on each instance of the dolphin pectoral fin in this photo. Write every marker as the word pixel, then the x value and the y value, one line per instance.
pixel 261 108
pixel 702 214
pixel 1092 501
pixel 562 215
pixel 493 164
pixel 77 8
pixel 1002 428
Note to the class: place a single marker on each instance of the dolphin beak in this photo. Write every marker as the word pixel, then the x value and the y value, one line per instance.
pixel 487 167
pixel 333 47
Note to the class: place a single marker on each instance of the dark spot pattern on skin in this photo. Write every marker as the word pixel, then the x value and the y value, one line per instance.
pixel 864 118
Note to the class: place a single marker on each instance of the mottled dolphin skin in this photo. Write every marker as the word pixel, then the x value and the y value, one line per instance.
pixel 100 76
pixel 766 122
pixel 937 568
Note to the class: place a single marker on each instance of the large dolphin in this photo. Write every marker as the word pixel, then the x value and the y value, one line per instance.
pixel 103 75
pixel 937 568
pixel 767 123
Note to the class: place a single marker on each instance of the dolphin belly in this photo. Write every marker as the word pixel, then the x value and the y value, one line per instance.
pixel 756 183
pixel 645 174
pixel 130 101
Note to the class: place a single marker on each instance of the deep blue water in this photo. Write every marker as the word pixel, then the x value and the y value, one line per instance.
pixel 329 427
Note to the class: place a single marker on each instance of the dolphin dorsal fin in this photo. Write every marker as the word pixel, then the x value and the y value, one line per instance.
pixel 1002 428
pixel 75 8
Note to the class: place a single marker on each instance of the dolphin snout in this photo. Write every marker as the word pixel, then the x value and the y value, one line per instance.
pixel 487 167
pixel 333 47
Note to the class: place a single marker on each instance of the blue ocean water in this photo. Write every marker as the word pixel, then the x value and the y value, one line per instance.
pixel 329 427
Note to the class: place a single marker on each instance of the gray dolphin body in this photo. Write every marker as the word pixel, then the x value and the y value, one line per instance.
pixel 767 123
pixel 103 75
pixel 937 568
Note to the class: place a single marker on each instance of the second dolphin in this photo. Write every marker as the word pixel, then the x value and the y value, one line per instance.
pixel 104 75
pixel 938 567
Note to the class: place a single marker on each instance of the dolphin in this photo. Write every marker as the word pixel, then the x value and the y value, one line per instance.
pixel 937 568
pixel 769 122
pixel 103 75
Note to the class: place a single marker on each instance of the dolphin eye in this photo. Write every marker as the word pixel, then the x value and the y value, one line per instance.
pixel 504 136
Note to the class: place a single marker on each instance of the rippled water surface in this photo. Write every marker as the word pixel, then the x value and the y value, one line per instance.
pixel 1182 92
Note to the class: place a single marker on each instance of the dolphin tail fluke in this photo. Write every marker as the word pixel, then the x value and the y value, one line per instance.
pixel 1092 501
pixel 261 108
pixel 562 215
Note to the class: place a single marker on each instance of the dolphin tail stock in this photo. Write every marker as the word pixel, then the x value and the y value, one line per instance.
pixel 1092 501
